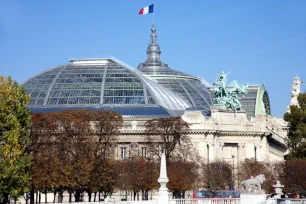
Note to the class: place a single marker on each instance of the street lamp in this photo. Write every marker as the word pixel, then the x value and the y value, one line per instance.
pixel 233 176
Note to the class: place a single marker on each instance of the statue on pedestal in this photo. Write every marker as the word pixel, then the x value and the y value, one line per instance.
pixel 253 185
pixel 296 90
pixel 228 96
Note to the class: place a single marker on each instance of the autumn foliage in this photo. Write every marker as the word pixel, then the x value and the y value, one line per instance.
pixel 139 175
pixel 182 177
pixel 169 135
pixel 72 151
pixel 166 134
pixel 216 175
pixel 293 176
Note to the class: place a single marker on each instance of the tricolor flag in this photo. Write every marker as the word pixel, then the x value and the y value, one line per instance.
pixel 146 10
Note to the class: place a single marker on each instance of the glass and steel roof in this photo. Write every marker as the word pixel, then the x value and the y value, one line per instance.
pixel 102 82
pixel 189 87
pixel 148 111
pixel 257 101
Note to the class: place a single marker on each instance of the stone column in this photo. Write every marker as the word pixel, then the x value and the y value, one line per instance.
pixel 241 152
pixel 249 150
pixel 201 147
pixel 258 152
pixel 220 151
pixel 205 149
pixel 163 195
pixel 264 150
pixel 211 155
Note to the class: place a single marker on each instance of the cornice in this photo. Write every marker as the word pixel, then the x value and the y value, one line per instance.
pixel 205 132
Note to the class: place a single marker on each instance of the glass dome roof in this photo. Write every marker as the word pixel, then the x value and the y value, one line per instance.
pixel 189 87
pixel 98 83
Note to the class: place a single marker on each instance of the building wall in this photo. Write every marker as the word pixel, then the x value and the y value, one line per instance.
pixel 224 136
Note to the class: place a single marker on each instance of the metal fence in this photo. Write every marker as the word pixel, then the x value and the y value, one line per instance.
pixel 206 201
pixel 291 201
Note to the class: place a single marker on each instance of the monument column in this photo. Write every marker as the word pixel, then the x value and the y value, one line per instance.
pixel 163 194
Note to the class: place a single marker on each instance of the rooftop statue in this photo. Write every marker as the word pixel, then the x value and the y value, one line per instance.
pixel 296 90
pixel 228 96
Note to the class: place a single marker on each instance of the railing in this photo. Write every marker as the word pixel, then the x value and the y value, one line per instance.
pixel 206 201
pixel 122 202
pixel 291 201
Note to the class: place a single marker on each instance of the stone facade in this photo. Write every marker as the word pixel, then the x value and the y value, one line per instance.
pixel 224 135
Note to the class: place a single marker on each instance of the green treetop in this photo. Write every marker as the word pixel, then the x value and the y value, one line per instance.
pixel 296 119
pixel 14 138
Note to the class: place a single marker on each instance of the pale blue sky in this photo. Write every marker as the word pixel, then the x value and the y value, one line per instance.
pixel 261 41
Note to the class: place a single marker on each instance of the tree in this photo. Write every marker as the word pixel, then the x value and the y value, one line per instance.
pixel 216 175
pixel 166 134
pixel 43 152
pixel 138 174
pixel 48 172
pixel 107 126
pixel 73 150
pixel 14 138
pixel 187 152
pixel 182 177
pixel 103 177
pixel 150 177
pixel 296 140
pixel 294 176
pixel 62 148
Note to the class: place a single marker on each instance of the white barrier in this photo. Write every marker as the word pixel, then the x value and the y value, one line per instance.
pixel 206 201
pixel 121 202
pixel 291 201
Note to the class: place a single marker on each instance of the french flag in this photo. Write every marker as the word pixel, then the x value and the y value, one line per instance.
pixel 146 10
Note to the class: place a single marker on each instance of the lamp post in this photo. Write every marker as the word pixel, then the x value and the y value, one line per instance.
pixel 233 176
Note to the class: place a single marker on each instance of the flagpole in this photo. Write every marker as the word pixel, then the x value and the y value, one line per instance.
pixel 153 12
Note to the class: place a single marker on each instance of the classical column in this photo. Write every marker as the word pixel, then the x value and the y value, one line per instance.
pixel 241 152
pixel 264 149
pixel 201 147
pixel 257 152
pixel 220 151
pixel 205 150
pixel 211 155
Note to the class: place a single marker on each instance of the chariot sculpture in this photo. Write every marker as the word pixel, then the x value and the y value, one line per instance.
pixel 253 185
pixel 228 96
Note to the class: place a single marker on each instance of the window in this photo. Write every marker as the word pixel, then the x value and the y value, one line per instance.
pixel 123 152
pixel 144 152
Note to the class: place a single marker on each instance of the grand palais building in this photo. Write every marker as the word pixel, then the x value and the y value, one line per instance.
pixel 156 90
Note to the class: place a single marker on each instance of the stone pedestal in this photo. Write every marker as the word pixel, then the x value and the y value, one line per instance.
pixel 252 198
pixel 278 188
